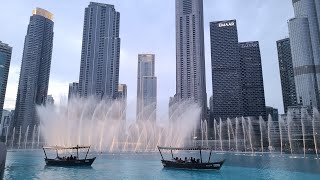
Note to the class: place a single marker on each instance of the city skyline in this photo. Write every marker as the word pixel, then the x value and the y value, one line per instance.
pixel 166 71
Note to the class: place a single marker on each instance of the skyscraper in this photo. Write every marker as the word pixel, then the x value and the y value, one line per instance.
pixel 5 59
pixel 226 70
pixel 35 70
pixel 122 97
pixel 237 80
pixel 99 70
pixel 303 62
pixel 286 73
pixel 190 62
pixel 305 47
pixel 146 88
pixel 73 90
pixel 252 80
pixel 50 100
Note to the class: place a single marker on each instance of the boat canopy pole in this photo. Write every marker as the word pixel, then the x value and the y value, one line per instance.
pixel 210 155
pixel 45 153
pixel 78 151
pixel 57 152
pixel 160 154
pixel 86 154
pixel 200 155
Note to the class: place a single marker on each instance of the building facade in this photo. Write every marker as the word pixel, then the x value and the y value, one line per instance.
pixel 253 98
pixel 273 112
pixel 73 91
pixel 303 62
pixel 190 62
pixel 122 98
pixel 146 88
pixel 99 69
pixel 226 70
pixel 237 79
pixel 310 9
pixel 304 35
pixel 288 86
pixel 5 59
pixel 50 100
pixel 35 70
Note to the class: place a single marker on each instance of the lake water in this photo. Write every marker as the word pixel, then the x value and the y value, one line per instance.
pixel 31 165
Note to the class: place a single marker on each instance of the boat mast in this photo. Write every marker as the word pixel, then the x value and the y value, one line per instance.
pixel 44 152
pixel 210 155
pixel 57 151
pixel 87 153
pixel 160 153
pixel 78 151
pixel 200 154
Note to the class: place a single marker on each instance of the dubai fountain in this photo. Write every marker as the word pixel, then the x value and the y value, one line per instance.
pixel 102 125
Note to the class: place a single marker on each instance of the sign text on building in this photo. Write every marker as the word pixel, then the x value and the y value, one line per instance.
pixel 226 24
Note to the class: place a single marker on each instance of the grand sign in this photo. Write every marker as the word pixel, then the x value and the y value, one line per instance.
pixel 227 24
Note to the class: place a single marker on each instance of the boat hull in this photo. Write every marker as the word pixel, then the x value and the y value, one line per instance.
pixel 63 163
pixel 201 166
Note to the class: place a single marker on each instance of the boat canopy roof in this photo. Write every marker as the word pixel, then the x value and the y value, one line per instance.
pixel 64 148
pixel 186 148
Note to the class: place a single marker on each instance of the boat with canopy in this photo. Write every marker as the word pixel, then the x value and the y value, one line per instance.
pixel 68 161
pixel 191 163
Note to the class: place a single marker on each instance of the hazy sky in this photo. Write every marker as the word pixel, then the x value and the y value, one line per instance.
pixel 146 26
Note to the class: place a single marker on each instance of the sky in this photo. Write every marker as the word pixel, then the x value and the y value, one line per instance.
pixel 146 26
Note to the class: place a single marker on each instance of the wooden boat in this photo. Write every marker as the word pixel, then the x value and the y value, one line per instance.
pixel 74 161
pixel 199 164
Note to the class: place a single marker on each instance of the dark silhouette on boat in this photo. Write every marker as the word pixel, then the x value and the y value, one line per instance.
pixel 68 161
pixel 191 163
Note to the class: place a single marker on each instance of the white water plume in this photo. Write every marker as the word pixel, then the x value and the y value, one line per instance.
pixel 101 125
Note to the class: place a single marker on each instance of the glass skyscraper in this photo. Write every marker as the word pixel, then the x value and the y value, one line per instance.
pixel 35 70
pixel 226 70
pixel 303 62
pixel 146 88
pixel 286 73
pixel 5 59
pixel 73 90
pixel 253 98
pixel 237 80
pixel 99 69
pixel 305 47
pixel 190 62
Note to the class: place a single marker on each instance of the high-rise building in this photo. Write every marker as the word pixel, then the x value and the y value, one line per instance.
pixel 5 59
pixel 237 80
pixel 190 62
pixel 146 88
pixel 303 62
pixel 99 70
pixel 226 70
pixel 50 100
pixel 286 73
pixel 253 98
pixel 122 92
pixel 122 97
pixel 305 47
pixel 310 9
pixel 273 112
pixel 35 70
pixel 73 90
